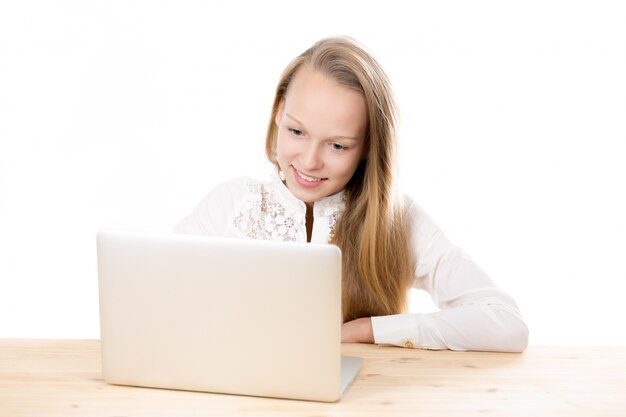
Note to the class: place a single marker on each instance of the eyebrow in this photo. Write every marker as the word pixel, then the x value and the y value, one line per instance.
pixel 333 137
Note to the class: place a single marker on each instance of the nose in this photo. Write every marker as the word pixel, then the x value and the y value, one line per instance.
pixel 311 157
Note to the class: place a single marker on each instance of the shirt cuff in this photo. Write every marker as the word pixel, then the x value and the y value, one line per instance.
pixel 397 330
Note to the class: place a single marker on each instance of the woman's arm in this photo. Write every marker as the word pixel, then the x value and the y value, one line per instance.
pixel 475 314
pixel 484 326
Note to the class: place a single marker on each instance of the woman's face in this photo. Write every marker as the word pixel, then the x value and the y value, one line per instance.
pixel 321 135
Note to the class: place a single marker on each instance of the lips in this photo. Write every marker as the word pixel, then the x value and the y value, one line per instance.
pixel 307 180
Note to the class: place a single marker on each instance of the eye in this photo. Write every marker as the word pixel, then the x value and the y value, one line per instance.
pixel 338 147
pixel 295 132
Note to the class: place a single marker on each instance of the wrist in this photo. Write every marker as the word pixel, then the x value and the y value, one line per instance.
pixel 367 330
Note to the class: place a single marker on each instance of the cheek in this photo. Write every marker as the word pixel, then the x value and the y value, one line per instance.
pixel 282 149
pixel 341 168
pixel 352 168
pixel 280 145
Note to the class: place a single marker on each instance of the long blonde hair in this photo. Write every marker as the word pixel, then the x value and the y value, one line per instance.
pixel 371 232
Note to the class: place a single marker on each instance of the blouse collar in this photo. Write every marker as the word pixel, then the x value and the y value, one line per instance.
pixel 327 206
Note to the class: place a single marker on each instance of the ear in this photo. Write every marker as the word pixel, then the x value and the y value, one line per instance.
pixel 279 111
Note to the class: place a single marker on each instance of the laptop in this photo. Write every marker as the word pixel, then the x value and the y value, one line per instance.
pixel 222 315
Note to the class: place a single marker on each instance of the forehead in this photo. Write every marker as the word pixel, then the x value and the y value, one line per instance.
pixel 324 105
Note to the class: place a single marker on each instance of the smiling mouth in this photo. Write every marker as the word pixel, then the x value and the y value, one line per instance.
pixel 307 178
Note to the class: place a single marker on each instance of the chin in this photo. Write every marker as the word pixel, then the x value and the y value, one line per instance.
pixel 308 198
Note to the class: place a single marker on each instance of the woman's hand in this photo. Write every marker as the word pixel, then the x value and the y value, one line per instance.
pixel 358 331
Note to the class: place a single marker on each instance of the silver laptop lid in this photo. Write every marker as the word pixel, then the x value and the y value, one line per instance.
pixel 221 315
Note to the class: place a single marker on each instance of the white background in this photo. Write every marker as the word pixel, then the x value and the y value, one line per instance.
pixel 125 113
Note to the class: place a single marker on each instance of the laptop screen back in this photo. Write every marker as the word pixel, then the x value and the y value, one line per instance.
pixel 221 315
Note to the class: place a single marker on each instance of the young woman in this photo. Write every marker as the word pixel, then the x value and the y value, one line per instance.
pixel 332 139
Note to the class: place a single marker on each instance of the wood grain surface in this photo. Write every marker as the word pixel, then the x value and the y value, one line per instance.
pixel 63 378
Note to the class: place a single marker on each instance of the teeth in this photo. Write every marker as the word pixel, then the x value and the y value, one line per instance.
pixel 306 177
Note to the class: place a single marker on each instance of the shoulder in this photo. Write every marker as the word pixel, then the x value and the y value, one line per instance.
pixel 233 190
pixel 214 212
pixel 413 212
pixel 235 185
pixel 424 230
pixel 223 198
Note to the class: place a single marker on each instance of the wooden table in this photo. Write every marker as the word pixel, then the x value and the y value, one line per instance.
pixel 63 378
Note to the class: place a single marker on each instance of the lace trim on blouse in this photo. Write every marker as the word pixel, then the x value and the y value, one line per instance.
pixel 263 215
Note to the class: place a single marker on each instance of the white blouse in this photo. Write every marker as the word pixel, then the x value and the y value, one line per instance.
pixel 475 314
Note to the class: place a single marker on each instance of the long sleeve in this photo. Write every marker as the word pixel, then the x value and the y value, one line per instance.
pixel 475 314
